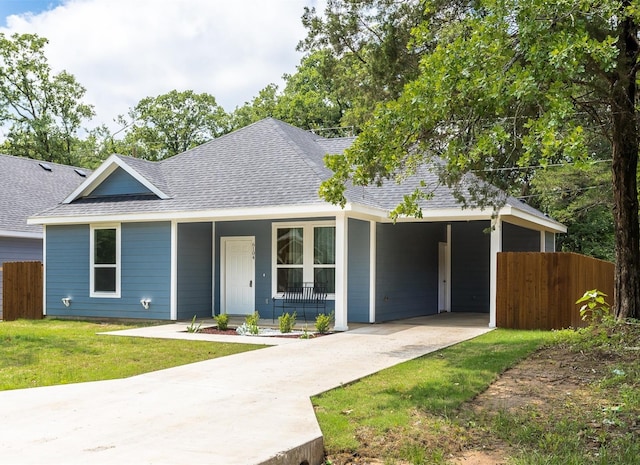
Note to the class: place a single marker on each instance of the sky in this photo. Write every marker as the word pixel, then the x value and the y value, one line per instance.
pixel 122 51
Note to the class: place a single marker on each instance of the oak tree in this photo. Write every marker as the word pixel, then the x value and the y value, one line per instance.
pixel 515 84
pixel 42 111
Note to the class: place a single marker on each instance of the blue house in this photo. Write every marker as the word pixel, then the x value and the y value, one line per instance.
pixel 227 226
pixel 27 187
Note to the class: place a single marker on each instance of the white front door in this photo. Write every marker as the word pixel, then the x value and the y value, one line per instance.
pixel 238 288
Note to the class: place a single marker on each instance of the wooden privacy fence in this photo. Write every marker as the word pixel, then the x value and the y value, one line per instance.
pixel 537 290
pixel 22 290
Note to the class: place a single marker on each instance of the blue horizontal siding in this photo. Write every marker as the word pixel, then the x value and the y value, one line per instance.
pixel 67 270
pixel 194 270
pixel 549 242
pixel 119 183
pixel 470 266
pixel 145 272
pixel 359 271
pixel 407 269
pixel 518 239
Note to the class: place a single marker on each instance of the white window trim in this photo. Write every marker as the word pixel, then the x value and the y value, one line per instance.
pixel 92 292
pixel 307 252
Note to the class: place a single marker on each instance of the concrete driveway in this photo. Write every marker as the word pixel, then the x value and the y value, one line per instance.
pixel 249 408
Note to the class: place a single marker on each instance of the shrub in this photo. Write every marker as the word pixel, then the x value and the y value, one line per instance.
pixel 287 322
pixel 222 321
pixel 252 323
pixel 323 322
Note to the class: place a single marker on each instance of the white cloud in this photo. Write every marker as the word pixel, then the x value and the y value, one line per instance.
pixel 124 50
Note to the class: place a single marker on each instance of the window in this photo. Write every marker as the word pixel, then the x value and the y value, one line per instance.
pixel 105 261
pixel 290 257
pixel 305 253
pixel 324 257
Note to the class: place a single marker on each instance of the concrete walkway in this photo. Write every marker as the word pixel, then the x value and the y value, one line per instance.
pixel 249 408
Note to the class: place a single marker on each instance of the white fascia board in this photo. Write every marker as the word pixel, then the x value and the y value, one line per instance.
pixel 99 175
pixel 526 219
pixel 21 235
pixel 508 213
pixel 257 213
pixel 450 214
pixel 103 172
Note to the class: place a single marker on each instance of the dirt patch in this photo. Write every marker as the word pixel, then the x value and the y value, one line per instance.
pixel 546 378
pixel 475 457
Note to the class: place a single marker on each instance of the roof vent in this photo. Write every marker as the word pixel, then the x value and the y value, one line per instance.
pixel 45 166
pixel 80 172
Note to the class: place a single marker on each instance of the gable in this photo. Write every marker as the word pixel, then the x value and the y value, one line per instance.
pixel 119 183
pixel 120 179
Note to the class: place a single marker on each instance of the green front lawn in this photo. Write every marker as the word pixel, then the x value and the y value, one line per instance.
pixel 390 401
pixel 48 352
pixel 574 402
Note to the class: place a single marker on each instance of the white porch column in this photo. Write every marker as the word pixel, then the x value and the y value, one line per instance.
pixel 372 271
pixel 543 245
pixel 341 272
pixel 496 246
pixel 173 305
pixel 213 268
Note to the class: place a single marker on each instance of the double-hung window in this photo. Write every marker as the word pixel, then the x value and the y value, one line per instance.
pixel 105 261
pixel 305 253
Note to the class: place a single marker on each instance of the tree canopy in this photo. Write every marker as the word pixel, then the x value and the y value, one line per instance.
pixel 506 83
pixel 163 126
pixel 43 111
pixel 367 40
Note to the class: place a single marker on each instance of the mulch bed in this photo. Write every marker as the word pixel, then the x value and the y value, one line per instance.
pixel 232 332
pixel 226 332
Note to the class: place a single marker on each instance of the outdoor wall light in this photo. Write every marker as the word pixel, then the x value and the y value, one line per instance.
pixel 145 303
pixel 66 301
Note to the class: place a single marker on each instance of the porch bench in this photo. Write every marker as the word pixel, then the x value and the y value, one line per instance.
pixel 309 295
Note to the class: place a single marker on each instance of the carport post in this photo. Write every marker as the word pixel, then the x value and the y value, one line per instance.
pixel 496 246
pixel 340 323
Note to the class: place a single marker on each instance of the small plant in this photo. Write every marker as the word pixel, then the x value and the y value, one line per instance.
pixel 243 329
pixel 323 322
pixel 595 310
pixel 193 327
pixel 252 323
pixel 306 334
pixel 287 321
pixel 222 321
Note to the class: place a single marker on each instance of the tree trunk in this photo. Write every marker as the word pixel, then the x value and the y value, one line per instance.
pixel 624 169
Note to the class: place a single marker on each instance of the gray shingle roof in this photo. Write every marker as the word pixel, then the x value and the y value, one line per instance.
pixel 26 188
pixel 267 164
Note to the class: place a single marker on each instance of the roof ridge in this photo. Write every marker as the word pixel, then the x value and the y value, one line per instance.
pixel 37 160
pixel 302 154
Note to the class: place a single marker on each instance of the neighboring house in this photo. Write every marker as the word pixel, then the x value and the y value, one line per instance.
pixel 225 227
pixel 27 187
